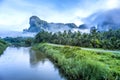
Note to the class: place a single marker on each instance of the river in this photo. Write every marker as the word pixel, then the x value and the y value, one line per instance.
pixel 24 64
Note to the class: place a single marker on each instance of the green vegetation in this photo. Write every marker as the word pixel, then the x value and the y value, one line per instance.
pixel 101 50
pixel 3 46
pixel 19 41
pixel 77 64
pixel 95 39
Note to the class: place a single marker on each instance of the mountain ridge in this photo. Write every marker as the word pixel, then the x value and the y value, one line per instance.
pixel 36 25
pixel 102 20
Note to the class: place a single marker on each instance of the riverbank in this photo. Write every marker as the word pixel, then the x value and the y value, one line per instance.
pixel 77 64
pixel 3 46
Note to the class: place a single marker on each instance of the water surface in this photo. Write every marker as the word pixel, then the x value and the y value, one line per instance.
pixel 24 64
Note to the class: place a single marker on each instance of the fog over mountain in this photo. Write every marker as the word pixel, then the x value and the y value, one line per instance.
pixel 36 25
pixel 13 34
pixel 104 20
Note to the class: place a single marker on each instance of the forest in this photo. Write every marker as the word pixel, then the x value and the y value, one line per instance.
pixel 19 41
pixel 95 39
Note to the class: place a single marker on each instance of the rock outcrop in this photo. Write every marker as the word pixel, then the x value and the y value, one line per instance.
pixel 83 26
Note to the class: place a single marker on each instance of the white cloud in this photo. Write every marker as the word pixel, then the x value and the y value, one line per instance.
pixel 16 13
pixel 110 4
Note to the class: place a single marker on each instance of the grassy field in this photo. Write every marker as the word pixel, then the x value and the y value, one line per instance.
pixel 3 46
pixel 78 64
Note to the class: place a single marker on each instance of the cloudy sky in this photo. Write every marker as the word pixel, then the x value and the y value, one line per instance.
pixel 14 14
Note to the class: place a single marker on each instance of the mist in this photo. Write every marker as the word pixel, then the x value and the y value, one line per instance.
pixel 14 34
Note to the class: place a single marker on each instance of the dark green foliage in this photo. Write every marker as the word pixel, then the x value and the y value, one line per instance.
pixel 43 36
pixel 3 45
pixel 95 39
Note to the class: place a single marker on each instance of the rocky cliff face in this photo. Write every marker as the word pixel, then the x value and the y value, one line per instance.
pixel 36 25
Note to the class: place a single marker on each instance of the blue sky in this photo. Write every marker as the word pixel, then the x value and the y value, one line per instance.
pixel 14 14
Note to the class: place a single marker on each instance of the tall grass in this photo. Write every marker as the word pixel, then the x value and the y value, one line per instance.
pixel 77 64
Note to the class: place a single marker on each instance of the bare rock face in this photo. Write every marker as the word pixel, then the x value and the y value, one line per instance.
pixel 83 26
pixel 34 21
pixel 36 24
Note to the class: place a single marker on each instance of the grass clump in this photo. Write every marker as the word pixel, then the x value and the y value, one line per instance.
pixel 77 64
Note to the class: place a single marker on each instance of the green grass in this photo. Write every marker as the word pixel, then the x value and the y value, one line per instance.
pixel 77 64
pixel 101 50
pixel 3 46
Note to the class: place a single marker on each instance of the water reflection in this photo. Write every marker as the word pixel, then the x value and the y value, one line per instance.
pixel 36 57
pixel 24 64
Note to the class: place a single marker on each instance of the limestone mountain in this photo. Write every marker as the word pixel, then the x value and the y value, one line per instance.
pixel 36 25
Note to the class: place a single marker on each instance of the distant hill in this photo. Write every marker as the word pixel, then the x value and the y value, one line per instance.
pixel 105 20
pixel 36 25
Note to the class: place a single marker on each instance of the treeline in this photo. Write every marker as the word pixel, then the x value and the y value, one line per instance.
pixel 19 41
pixel 94 39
